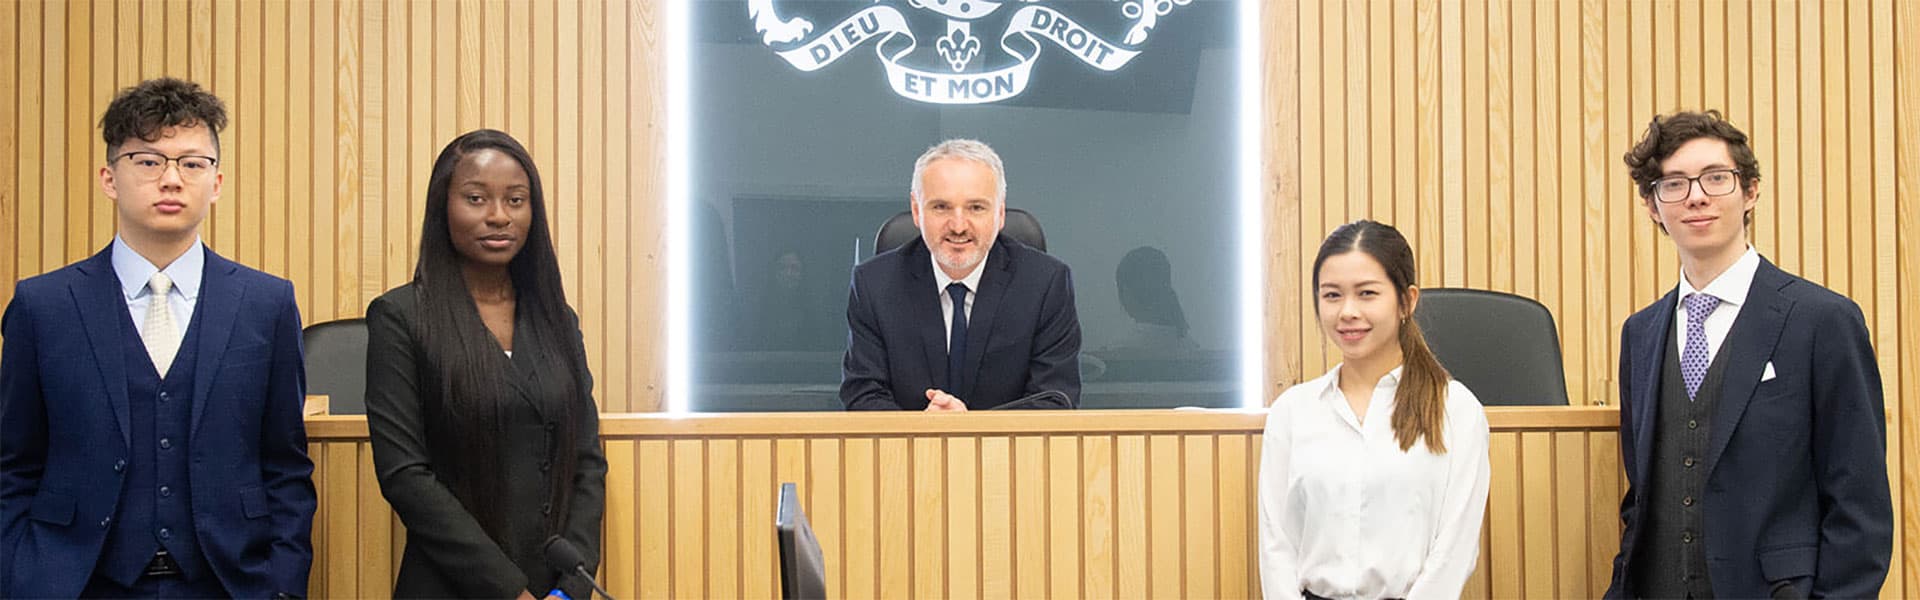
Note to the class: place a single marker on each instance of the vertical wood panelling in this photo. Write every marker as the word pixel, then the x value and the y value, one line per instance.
pixel 758 501
pixel 1538 538
pixel 1029 517
pixel 656 537
pixel 10 224
pixel 1906 238
pixel 1166 558
pixel 1063 529
pixel 860 521
pixel 1501 90
pixel 1503 133
pixel 1504 553
pixel 996 516
pixel 1130 511
pixel 336 109
pixel 1096 517
pixel 896 500
pixel 618 562
pixel 723 519
pixel 929 524
pixel 962 517
pixel 1161 515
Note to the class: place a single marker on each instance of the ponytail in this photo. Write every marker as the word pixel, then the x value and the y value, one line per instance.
pixel 1420 405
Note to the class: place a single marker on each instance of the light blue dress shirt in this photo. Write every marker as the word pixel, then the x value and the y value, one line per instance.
pixel 134 271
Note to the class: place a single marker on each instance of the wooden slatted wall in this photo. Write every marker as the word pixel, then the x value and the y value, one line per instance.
pixel 337 109
pixel 1490 130
pixel 1164 513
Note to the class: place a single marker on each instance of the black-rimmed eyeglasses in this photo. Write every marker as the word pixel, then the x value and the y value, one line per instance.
pixel 1675 188
pixel 152 165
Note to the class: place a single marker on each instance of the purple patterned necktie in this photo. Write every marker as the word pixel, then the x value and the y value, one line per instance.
pixel 1693 358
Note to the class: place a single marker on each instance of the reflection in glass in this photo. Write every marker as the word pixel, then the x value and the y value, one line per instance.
pixel 1131 168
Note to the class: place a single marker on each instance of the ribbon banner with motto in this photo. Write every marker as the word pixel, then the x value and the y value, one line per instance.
pixel 893 41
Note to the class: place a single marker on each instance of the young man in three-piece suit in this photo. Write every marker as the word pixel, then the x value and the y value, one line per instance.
pixel 1751 410
pixel 151 438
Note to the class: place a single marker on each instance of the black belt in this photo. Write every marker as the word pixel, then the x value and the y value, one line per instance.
pixel 162 565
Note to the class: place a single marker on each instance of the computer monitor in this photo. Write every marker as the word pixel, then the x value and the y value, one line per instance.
pixel 802 573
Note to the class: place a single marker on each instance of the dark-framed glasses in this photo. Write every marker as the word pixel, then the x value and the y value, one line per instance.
pixel 1675 188
pixel 151 165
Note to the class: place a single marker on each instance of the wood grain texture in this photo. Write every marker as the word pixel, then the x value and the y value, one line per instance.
pixel 931 510
pixel 1488 130
pixel 336 109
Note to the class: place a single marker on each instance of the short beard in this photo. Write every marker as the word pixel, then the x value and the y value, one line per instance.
pixel 972 260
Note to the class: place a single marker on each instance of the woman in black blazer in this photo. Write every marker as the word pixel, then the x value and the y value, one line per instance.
pixel 479 402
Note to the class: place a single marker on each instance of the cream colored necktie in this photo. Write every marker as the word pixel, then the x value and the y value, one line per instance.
pixel 160 336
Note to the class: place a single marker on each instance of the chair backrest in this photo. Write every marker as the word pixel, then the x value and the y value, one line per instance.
pixel 1503 347
pixel 803 575
pixel 337 364
pixel 1020 227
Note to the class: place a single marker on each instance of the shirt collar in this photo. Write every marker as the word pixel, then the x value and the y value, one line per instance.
pixel 1731 286
pixel 134 270
pixel 972 280
pixel 1331 380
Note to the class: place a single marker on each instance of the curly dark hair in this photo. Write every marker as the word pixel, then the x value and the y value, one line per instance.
pixel 1666 134
pixel 144 110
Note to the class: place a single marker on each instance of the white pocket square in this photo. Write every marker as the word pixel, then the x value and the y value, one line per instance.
pixel 1768 374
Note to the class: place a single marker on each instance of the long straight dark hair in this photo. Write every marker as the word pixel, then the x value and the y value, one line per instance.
pixel 464 424
pixel 1420 404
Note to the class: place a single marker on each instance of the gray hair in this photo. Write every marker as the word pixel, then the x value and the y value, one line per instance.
pixel 974 150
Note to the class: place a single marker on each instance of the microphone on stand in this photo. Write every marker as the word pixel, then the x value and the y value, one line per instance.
pixel 563 557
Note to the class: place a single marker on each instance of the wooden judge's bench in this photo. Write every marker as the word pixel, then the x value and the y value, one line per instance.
pixel 1120 503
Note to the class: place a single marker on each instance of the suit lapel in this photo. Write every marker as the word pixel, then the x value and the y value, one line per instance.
pixel 1749 345
pixel 986 303
pixel 526 361
pixel 1650 345
pixel 221 295
pixel 925 305
pixel 101 305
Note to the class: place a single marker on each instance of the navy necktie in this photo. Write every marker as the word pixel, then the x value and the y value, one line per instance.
pixel 957 339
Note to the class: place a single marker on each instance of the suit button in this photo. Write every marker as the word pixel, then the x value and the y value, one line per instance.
pixel 546 508
pixel 1693 424
pixel 164 397
pixel 166 443
pixel 166 534
pixel 120 466
pixel 552 426
pixel 545 465
pixel 1686 538
pixel 1687 501
pixel 1688 462
pixel 165 491
pixel 105 522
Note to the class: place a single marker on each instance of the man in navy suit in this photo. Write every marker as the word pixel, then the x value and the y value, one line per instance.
pixel 964 319
pixel 151 441
pixel 1751 412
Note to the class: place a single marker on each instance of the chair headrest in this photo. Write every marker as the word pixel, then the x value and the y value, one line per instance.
pixel 899 230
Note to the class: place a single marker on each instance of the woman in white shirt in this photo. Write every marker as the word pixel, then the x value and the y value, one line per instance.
pixel 1373 477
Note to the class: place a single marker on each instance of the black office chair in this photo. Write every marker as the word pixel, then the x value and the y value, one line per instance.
pixel 802 572
pixel 1020 227
pixel 1503 347
pixel 337 364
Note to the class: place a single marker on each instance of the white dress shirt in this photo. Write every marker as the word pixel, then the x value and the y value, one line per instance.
pixel 1731 288
pixel 1346 513
pixel 972 281
pixel 134 272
